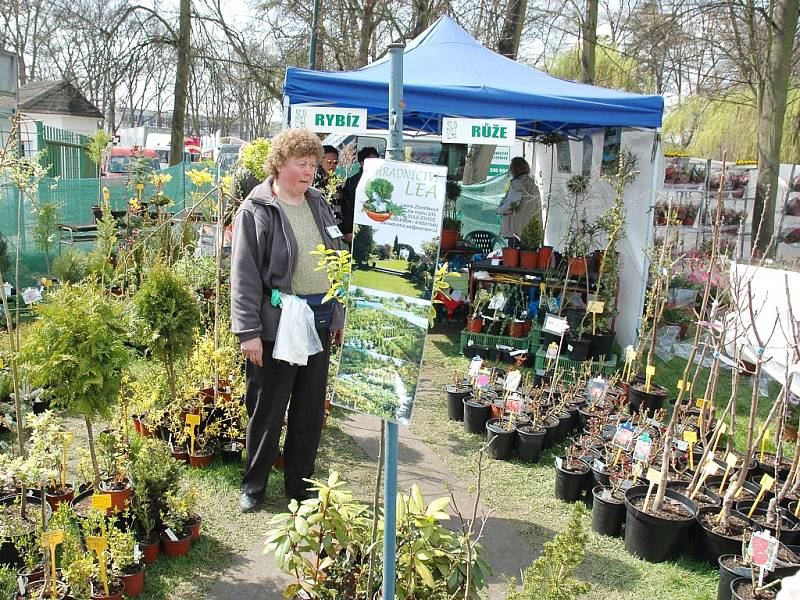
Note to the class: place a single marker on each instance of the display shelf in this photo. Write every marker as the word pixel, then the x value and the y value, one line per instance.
pixel 529 342
pixel 568 367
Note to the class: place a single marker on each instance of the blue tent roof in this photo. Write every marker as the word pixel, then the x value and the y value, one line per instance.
pixel 447 72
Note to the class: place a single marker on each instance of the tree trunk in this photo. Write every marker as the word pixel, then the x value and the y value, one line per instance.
pixel 589 42
pixel 93 454
pixel 508 45
pixel 772 109
pixel 367 29
pixel 420 17
pixel 181 85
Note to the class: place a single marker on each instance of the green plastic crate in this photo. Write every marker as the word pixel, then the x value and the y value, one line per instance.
pixel 567 365
pixel 492 341
pixel 533 336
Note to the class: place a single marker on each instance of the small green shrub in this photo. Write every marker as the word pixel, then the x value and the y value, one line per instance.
pixel 70 267
pixel 550 577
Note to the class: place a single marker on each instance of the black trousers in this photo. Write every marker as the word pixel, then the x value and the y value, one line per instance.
pixel 269 390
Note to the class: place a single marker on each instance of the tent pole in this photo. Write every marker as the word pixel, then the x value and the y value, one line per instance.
pixel 286 108
pixel 651 203
pixel 395 151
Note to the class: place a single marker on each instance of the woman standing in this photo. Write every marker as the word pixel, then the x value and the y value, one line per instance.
pixel 521 202
pixel 275 229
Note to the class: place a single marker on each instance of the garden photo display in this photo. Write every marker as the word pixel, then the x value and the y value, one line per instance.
pixel 397 225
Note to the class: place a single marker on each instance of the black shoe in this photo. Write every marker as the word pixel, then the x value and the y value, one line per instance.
pixel 247 503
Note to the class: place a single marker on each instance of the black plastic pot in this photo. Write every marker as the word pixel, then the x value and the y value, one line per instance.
pixel 528 444
pixel 231 453
pixel 599 477
pixel 711 545
pixel 476 350
pixel 649 401
pixel 600 344
pixel 769 469
pixel 681 488
pixel 475 415
pixel 570 485
pixel 574 317
pixel 39 406
pixel 576 349
pixel 651 537
pixel 608 514
pixel 790 534
pixel 727 575
pixel 455 401
pixel 562 429
pixel 502 439
pixel 550 430
pixel 747 583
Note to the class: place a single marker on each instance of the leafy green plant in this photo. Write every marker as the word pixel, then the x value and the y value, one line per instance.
pixel 254 157
pixel 153 473
pixel 97 144
pixel 169 316
pixel 180 510
pixel 532 235
pixel 550 577
pixel 8 582
pixel 325 544
pixel 379 193
pixel 121 547
pixel 77 348
pixel 336 264
pixel 70 266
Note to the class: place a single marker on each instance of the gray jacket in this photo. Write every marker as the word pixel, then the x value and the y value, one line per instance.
pixel 263 254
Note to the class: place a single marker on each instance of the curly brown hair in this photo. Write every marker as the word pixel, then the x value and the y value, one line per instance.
pixel 292 143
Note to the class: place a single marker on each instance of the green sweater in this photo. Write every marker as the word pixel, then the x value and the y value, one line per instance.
pixel 305 280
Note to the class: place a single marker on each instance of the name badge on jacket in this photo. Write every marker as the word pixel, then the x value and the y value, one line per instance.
pixel 334 231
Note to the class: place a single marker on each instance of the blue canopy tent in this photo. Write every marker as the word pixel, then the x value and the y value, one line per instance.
pixel 446 72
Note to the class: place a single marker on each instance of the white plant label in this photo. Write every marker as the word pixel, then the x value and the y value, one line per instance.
pixel 171 534
pixel 512 381
pixel 554 325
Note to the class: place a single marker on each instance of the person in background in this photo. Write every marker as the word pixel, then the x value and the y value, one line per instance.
pixel 328 164
pixel 349 193
pixel 522 201
pixel 275 229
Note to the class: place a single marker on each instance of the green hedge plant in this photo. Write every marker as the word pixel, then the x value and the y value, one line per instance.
pixel 168 316
pixel 77 348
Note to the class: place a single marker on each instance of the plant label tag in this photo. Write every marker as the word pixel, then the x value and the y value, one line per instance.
pixel 630 353
pixel 514 405
pixel 681 445
pixel 193 419
pixel 596 390
pixel 334 231
pixel 542 287
pixel 723 428
pixel 137 554
pixel 641 452
pixel 101 501
pixel 766 481
pixel 96 543
pixel 552 304
pixel 650 370
pixel 763 550
pixel 623 437
pixel 513 379
pixel 497 302
pixel 681 384
pixel 711 468
pixel 518 352
pixel 595 306
pixel 559 462
pixel 552 351
pixel 53 537
pixel 475 366
pixel 653 475
pixel 2 364
pixel 730 460
pixel 690 437
pixel 171 534
pixel 483 380
pixel 21 585
pixel 569 347
pixel 626 485
pixel 701 402
pixel 554 325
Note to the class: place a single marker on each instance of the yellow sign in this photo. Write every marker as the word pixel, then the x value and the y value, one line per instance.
pixel 53 537
pixel 681 384
pixel 766 482
pixel 653 475
pixel 101 501
pixel 595 306
pixel 98 544
pixel 650 370
pixel 193 419
pixel 690 436
pixel 701 402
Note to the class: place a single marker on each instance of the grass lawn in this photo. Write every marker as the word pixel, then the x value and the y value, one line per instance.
pixel 397 265
pixel 523 493
pixel 394 284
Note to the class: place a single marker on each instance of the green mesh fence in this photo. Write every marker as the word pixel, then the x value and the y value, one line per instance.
pixel 75 199
pixel 478 203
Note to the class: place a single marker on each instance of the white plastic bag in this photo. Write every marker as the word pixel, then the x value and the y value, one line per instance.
pixel 297 338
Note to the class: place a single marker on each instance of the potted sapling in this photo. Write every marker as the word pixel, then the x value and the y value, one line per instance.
pixel 456 392
pixel 529 243
pixel 477 406
pixel 530 437
pixel 501 431
pixel 475 322
pixel 77 347
pixel 126 558
pixel 176 517
pixel 113 455
pixel 201 444
pixel 571 476
pixel 608 503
